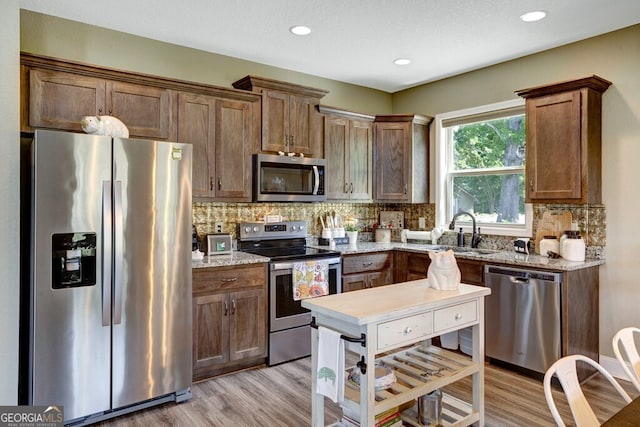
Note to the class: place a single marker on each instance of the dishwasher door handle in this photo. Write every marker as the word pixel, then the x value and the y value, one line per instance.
pixel 515 279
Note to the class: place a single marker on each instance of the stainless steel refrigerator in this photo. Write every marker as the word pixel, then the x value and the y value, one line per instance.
pixel 106 285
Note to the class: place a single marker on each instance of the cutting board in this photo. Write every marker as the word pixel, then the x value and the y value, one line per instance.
pixel 553 223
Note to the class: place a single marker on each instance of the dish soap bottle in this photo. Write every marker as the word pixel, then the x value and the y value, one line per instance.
pixel 460 237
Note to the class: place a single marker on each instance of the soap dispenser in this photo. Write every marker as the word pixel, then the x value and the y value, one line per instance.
pixel 460 237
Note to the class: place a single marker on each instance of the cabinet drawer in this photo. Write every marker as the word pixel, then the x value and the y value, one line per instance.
pixel 364 263
pixel 404 330
pixel 223 278
pixel 455 315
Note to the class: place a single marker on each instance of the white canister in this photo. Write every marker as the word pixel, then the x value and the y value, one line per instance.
pixel 563 238
pixel 383 235
pixel 549 243
pixel 574 248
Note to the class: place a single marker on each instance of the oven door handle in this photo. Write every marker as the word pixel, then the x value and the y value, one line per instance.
pixel 289 265
pixel 316 181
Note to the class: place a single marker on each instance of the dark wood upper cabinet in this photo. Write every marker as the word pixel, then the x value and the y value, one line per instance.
pixel 348 148
pixel 564 131
pixel 290 119
pixel 401 158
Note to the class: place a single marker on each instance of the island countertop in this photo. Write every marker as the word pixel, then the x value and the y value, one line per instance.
pixel 386 302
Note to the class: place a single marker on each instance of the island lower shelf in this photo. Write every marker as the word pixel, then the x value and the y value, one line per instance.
pixel 419 370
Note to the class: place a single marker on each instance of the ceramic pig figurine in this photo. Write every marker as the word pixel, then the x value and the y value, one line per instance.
pixel 443 272
pixel 104 125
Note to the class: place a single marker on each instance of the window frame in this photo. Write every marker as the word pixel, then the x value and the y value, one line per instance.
pixel 443 158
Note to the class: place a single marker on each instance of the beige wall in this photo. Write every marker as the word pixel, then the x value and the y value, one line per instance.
pixel 616 57
pixel 47 35
pixel 10 205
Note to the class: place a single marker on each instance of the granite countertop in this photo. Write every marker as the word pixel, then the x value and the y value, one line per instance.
pixel 502 257
pixel 234 258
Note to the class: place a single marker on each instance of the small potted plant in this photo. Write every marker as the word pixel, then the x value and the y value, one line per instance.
pixel 352 232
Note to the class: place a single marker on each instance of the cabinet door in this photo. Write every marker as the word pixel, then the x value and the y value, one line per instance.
pixel 354 282
pixel 210 330
pixel 360 156
pixel 554 149
pixel 305 126
pixel 196 125
pixel 233 149
pixel 336 136
pixel 393 160
pixel 145 110
pixel 59 100
pixel 380 278
pixel 248 327
pixel 275 120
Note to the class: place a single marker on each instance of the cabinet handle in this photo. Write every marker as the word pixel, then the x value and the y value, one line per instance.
pixel 99 111
pixel 211 183
pixel 230 279
pixel 219 184
pixel 233 306
pixel 458 316
pixel 351 187
pixel 408 330
pixel 286 142
pixel 531 184
pixel 367 264
pixel 405 189
pixel 109 112
pixel 226 308
pixel 293 140
pixel 346 187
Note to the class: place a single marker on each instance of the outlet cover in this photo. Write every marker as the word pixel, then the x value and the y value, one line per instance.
pixel 218 227
pixel 422 223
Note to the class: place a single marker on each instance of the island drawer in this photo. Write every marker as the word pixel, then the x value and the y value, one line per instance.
pixel 455 316
pixel 408 329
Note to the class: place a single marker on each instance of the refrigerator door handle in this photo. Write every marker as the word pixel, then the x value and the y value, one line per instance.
pixel 107 238
pixel 118 255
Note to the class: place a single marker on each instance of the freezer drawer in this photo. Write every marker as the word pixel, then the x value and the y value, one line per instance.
pixel 522 317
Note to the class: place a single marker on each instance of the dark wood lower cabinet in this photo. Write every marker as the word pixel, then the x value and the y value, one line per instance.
pixel 367 271
pixel 229 319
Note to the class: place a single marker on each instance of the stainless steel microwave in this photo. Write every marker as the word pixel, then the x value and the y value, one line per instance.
pixel 288 179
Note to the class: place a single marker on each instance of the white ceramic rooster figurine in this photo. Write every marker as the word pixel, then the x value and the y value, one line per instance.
pixel 104 125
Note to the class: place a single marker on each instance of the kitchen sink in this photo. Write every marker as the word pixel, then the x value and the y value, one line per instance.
pixel 461 250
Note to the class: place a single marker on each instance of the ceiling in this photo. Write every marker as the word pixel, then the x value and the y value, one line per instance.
pixel 356 41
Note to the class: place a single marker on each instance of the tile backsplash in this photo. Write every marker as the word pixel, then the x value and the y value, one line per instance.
pixel 591 219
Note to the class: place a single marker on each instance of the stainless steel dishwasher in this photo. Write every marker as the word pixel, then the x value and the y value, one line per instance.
pixel 522 317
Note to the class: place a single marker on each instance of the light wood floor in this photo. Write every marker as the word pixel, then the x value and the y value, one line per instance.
pixel 281 396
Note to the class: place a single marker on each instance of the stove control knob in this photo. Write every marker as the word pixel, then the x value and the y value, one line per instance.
pixel 255 229
pixel 293 228
pixel 247 229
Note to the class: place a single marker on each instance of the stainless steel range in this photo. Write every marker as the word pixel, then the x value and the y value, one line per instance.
pixel 285 243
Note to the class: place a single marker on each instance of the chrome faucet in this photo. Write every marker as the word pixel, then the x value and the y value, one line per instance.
pixel 475 237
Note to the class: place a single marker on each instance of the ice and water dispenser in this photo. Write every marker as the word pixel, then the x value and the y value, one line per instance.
pixel 74 260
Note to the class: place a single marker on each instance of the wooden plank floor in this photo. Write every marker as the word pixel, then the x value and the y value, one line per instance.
pixel 281 396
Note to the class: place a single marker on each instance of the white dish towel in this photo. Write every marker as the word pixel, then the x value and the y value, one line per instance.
pixel 330 375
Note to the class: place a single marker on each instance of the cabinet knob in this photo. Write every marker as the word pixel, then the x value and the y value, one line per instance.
pixel 458 316
pixel 408 330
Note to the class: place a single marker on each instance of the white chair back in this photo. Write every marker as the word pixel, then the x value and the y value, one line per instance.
pixel 630 360
pixel 565 370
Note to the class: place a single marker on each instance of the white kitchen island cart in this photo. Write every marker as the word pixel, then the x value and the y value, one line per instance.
pixel 393 325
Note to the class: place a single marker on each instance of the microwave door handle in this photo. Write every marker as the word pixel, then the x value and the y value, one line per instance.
pixel 316 184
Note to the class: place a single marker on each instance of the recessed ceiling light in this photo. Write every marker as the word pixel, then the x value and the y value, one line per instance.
pixel 402 61
pixel 300 30
pixel 533 16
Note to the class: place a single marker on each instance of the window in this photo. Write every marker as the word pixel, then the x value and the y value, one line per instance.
pixel 480 168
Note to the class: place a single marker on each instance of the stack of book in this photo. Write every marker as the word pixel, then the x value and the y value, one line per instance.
pixel 389 418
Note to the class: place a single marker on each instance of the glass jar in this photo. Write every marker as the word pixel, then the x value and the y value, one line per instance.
pixel 549 243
